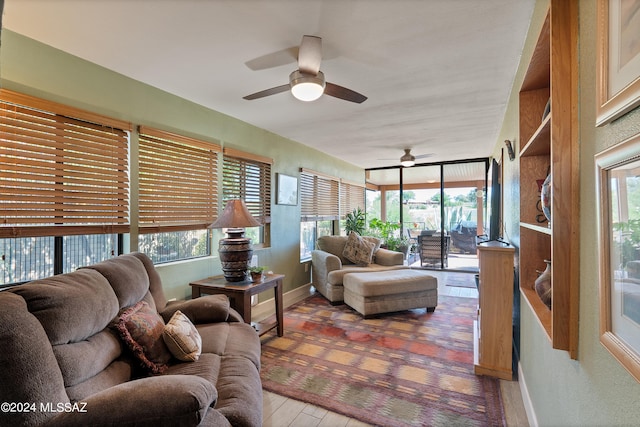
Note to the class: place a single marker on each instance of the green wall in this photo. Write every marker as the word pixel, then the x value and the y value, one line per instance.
pixel 36 69
pixel 594 390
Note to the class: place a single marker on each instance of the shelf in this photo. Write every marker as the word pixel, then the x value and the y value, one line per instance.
pixel 540 142
pixel 536 227
pixel 542 312
pixel 550 146
pixel 537 76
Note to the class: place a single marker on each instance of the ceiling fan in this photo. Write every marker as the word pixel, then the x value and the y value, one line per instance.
pixel 307 83
pixel 407 160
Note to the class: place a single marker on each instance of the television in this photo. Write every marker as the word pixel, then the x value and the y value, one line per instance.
pixel 493 199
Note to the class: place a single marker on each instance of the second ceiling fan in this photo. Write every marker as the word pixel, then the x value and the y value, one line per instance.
pixel 307 83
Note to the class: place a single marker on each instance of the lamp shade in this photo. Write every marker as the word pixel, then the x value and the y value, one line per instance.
pixel 235 215
pixel 307 87
pixel 235 251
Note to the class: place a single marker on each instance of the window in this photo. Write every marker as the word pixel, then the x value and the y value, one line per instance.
pixel 320 207
pixel 248 177
pixel 64 172
pixel 178 196
pixel 309 233
pixel 352 196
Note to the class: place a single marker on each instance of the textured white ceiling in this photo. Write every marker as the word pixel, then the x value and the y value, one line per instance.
pixel 437 72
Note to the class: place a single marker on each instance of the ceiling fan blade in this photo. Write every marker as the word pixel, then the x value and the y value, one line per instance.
pixel 310 55
pixel 423 156
pixel 274 59
pixel 267 92
pixel 344 93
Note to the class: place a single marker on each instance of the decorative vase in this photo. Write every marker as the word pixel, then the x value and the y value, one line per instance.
pixel 235 253
pixel 545 197
pixel 543 285
pixel 256 277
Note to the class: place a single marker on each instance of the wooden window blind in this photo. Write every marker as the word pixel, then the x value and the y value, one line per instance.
pixel 248 177
pixel 319 195
pixel 178 182
pixel 352 196
pixel 63 171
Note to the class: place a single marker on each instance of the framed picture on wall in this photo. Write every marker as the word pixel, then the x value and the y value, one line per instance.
pixel 618 180
pixel 618 62
pixel 287 190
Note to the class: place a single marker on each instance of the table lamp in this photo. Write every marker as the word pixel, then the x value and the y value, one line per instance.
pixel 235 250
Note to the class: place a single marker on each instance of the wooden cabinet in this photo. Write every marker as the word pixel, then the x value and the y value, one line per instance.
pixel 493 329
pixel 550 145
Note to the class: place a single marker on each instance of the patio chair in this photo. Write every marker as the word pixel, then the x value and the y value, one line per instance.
pixel 413 240
pixel 434 250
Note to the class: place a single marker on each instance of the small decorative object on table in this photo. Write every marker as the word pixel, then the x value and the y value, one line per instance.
pixel 256 273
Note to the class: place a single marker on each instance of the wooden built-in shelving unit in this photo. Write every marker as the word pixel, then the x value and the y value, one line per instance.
pixel 550 144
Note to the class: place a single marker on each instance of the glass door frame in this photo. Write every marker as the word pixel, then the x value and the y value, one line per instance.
pixel 441 165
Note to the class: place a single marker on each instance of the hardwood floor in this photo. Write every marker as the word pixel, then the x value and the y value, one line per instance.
pixel 280 411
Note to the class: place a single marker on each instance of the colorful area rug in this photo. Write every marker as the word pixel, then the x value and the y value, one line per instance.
pixel 409 368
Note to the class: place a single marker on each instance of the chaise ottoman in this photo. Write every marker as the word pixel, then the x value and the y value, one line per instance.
pixel 388 291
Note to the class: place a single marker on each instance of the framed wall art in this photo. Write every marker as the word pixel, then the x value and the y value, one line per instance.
pixel 287 190
pixel 618 180
pixel 618 62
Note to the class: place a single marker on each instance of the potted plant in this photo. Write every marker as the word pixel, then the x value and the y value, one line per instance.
pixel 355 221
pixel 398 244
pixel 384 230
pixel 256 272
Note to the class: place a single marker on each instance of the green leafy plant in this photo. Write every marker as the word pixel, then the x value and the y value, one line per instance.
pixel 399 244
pixel 258 269
pixel 355 221
pixel 388 233
pixel 383 229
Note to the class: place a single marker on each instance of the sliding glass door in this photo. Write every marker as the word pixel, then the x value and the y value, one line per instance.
pixel 465 214
pixel 438 208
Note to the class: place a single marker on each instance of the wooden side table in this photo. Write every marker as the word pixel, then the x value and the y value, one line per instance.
pixel 240 293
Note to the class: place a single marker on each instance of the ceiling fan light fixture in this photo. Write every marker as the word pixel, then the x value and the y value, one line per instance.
pixel 407 160
pixel 307 87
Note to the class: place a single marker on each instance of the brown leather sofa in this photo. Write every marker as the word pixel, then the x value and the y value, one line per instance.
pixel 62 363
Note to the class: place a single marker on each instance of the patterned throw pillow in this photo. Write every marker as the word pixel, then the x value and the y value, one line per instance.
pixel 182 338
pixel 358 250
pixel 140 327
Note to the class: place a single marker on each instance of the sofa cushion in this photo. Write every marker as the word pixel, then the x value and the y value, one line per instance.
pixel 207 367
pixel 85 359
pixel 118 372
pixel 333 245
pixel 357 250
pixel 239 383
pixel 159 401
pixel 336 277
pixel 71 307
pixel 128 277
pixel 28 369
pixel 182 338
pixel 205 309
pixel 376 242
pixel 141 328
pixel 155 282
pixel 231 339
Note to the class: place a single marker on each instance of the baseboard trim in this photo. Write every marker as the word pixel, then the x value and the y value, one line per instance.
pixel 267 308
pixel 526 399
